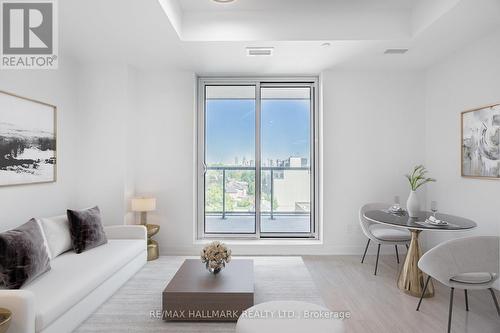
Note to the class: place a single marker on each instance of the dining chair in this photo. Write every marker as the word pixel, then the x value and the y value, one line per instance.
pixel 381 234
pixel 470 263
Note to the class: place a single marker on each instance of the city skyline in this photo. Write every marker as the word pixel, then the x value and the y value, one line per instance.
pixel 304 161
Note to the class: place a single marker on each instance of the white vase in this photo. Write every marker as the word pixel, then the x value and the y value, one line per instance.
pixel 413 205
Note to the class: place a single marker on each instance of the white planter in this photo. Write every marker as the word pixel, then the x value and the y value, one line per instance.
pixel 413 205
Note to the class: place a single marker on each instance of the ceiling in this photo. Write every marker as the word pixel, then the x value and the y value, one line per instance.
pixel 280 5
pixel 207 37
pixel 293 20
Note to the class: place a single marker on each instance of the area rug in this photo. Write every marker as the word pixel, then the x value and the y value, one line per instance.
pixel 130 308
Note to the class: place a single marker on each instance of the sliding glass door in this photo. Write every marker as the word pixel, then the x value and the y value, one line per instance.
pixel 229 159
pixel 285 159
pixel 256 158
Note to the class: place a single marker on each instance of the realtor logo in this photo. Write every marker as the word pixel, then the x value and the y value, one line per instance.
pixel 29 34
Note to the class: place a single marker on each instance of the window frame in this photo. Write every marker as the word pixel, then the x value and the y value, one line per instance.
pixel 258 82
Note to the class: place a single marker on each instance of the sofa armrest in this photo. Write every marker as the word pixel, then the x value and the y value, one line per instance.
pixel 126 232
pixel 22 305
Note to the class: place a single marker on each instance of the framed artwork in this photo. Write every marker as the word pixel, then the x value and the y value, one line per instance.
pixel 28 141
pixel 481 142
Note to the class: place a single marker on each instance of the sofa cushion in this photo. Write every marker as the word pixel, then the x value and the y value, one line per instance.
pixel 86 229
pixel 23 255
pixel 56 230
pixel 73 276
pixel 45 242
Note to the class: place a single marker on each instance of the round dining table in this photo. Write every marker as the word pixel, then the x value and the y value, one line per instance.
pixel 411 279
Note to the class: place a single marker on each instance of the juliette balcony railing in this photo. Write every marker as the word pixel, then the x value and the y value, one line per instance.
pixel 273 173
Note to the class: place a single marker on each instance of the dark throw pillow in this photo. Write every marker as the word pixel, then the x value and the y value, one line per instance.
pixel 86 229
pixel 23 255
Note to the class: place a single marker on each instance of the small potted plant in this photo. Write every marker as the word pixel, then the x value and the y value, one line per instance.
pixel 215 256
pixel 416 178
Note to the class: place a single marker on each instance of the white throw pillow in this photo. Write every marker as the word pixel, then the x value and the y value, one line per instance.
pixel 56 230
pixel 45 242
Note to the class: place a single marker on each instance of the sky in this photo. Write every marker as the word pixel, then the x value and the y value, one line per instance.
pixel 230 129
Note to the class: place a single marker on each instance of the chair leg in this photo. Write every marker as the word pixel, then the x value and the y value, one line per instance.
pixel 495 300
pixel 397 254
pixel 466 300
pixel 423 292
pixel 451 309
pixel 376 263
pixel 407 248
pixel 366 249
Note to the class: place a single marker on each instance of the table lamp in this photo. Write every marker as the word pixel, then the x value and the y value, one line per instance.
pixel 143 205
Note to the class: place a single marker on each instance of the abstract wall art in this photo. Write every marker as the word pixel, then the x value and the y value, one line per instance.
pixel 27 141
pixel 481 142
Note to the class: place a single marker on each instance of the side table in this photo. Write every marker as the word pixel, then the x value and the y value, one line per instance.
pixel 5 316
pixel 153 251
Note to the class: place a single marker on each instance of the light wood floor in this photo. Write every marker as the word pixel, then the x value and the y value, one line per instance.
pixel 377 305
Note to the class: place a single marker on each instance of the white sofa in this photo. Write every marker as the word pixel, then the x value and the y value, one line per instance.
pixel 77 284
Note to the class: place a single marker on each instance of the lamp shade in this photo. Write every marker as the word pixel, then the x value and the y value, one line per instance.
pixel 143 204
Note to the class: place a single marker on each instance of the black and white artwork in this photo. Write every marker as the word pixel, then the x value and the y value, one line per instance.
pixel 27 141
pixel 481 142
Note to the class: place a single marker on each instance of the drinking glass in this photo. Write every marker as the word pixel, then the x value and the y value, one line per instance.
pixel 434 208
pixel 396 206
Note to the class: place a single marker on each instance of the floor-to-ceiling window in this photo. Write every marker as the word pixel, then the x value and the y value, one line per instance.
pixel 257 152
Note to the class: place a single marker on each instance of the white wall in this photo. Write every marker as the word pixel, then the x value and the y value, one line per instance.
pixel 164 152
pixel 465 80
pixel 57 87
pixel 93 115
pixel 132 142
pixel 102 141
pixel 125 132
pixel 96 155
pixel 372 135
pixel 372 132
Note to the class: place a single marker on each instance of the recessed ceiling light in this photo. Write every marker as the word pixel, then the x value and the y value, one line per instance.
pixel 326 44
pixel 260 51
pixel 223 1
pixel 395 51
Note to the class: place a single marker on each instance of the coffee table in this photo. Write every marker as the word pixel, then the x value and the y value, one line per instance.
pixel 194 294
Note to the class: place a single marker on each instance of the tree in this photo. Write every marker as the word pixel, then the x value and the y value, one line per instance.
pixel 213 199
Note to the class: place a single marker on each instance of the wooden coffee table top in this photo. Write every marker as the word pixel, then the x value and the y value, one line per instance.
pixel 193 277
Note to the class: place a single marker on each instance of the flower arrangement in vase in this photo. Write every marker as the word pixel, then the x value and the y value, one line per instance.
pixel 416 178
pixel 215 256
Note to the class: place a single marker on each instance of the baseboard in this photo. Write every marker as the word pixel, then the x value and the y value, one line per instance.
pixel 270 250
